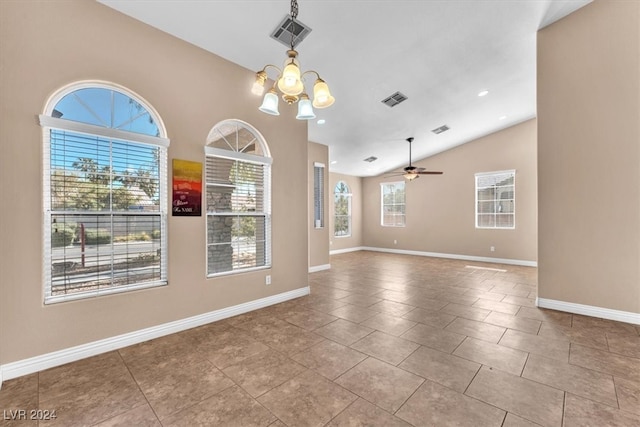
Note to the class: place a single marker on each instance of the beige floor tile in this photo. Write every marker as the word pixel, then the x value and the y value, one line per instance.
pixel 523 324
pixel 544 315
pixel 310 319
pixel 436 405
pixel 20 393
pixel 309 399
pixel 434 337
pixel 493 355
pixel 625 345
pixel 574 379
pixel 427 302
pixel 604 325
pixel 580 412
pixel 586 337
pixel 344 331
pixel 363 413
pixel 603 361
pixel 177 382
pixel 228 347
pixel 392 308
pixel 430 317
pixel 480 330
pixel 231 407
pixel 500 307
pixel 262 372
pixel 141 416
pixel 93 401
pixel 466 311
pixel 389 324
pixel 382 384
pixel 388 348
pixel 522 301
pixel 322 304
pixel 289 339
pixel 329 358
pixel 549 347
pixel 361 300
pixel 450 371
pixel 628 393
pixel 394 296
pixel 353 313
pixel 512 420
pixel 533 401
pixel 491 296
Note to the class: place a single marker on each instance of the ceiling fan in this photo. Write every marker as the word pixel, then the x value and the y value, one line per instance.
pixel 411 172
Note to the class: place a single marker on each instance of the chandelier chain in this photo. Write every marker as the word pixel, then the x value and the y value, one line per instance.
pixel 294 9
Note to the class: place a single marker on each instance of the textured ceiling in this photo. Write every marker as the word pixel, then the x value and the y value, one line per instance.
pixel 439 53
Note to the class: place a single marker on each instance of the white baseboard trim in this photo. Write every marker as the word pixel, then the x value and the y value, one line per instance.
pixel 509 261
pixel 57 358
pixel 317 268
pixel 589 310
pixel 344 251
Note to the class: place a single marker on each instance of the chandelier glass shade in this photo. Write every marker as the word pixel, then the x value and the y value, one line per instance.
pixel 290 84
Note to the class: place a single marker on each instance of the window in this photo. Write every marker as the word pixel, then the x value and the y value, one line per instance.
pixel 105 193
pixel 393 204
pixel 238 181
pixel 342 207
pixel 318 195
pixel 495 199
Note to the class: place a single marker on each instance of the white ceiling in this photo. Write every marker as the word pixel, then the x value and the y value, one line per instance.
pixel 439 53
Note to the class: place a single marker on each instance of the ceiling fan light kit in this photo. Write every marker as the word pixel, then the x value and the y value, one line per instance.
pixel 411 172
pixel 290 83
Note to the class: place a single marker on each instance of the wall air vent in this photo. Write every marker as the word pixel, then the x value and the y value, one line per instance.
pixel 370 159
pixel 441 129
pixel 395 99
pixel 283 31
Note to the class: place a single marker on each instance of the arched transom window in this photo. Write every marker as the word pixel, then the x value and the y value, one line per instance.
pixel 342 208
pixel 238 180
pixel 105 196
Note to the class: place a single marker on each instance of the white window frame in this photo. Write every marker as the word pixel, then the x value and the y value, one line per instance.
pixel 382 204
pixel 318 195
pixel 496 201
pixel 347 196
pixel 48 123
pixel 266 161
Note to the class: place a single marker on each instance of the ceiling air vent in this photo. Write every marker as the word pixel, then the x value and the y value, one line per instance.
pixel 394 99
pixel 370 159
pixel 441 129
pixel 283 31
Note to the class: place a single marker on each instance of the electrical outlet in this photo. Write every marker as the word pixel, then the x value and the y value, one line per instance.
pixel 267 279
pixel 492 248
pixel 395 242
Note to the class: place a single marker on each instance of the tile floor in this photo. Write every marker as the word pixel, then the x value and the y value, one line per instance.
pixel 383 340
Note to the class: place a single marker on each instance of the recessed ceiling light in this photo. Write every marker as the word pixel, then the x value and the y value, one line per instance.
pixel 333 162
pixel 502 117
pixel 483 93
pixel 321 121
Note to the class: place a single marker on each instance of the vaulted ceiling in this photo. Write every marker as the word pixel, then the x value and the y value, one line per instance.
pixel 439 53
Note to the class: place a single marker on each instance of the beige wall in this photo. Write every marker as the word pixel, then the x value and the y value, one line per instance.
pixel 45 45
pixel 440 208
pixel 589 157
pixel 355 185
pixel 318 237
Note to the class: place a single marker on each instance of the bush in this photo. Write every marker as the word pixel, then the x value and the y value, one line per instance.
pixel 97 237
pixel 155 234
pixel 62 235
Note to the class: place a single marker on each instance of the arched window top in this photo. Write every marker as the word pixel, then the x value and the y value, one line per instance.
pixel 239 137
pixel 342 188
pixel 105 105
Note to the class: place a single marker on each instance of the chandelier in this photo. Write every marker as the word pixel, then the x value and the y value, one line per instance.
pixel 289 82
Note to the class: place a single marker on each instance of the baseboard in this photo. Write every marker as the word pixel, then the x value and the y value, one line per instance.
pixel 317 268
pixel 57 358
pixel 589 310
pixel 509 261
pixel 344 251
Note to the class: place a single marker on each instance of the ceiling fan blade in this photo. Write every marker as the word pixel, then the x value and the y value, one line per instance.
pixel 429 173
